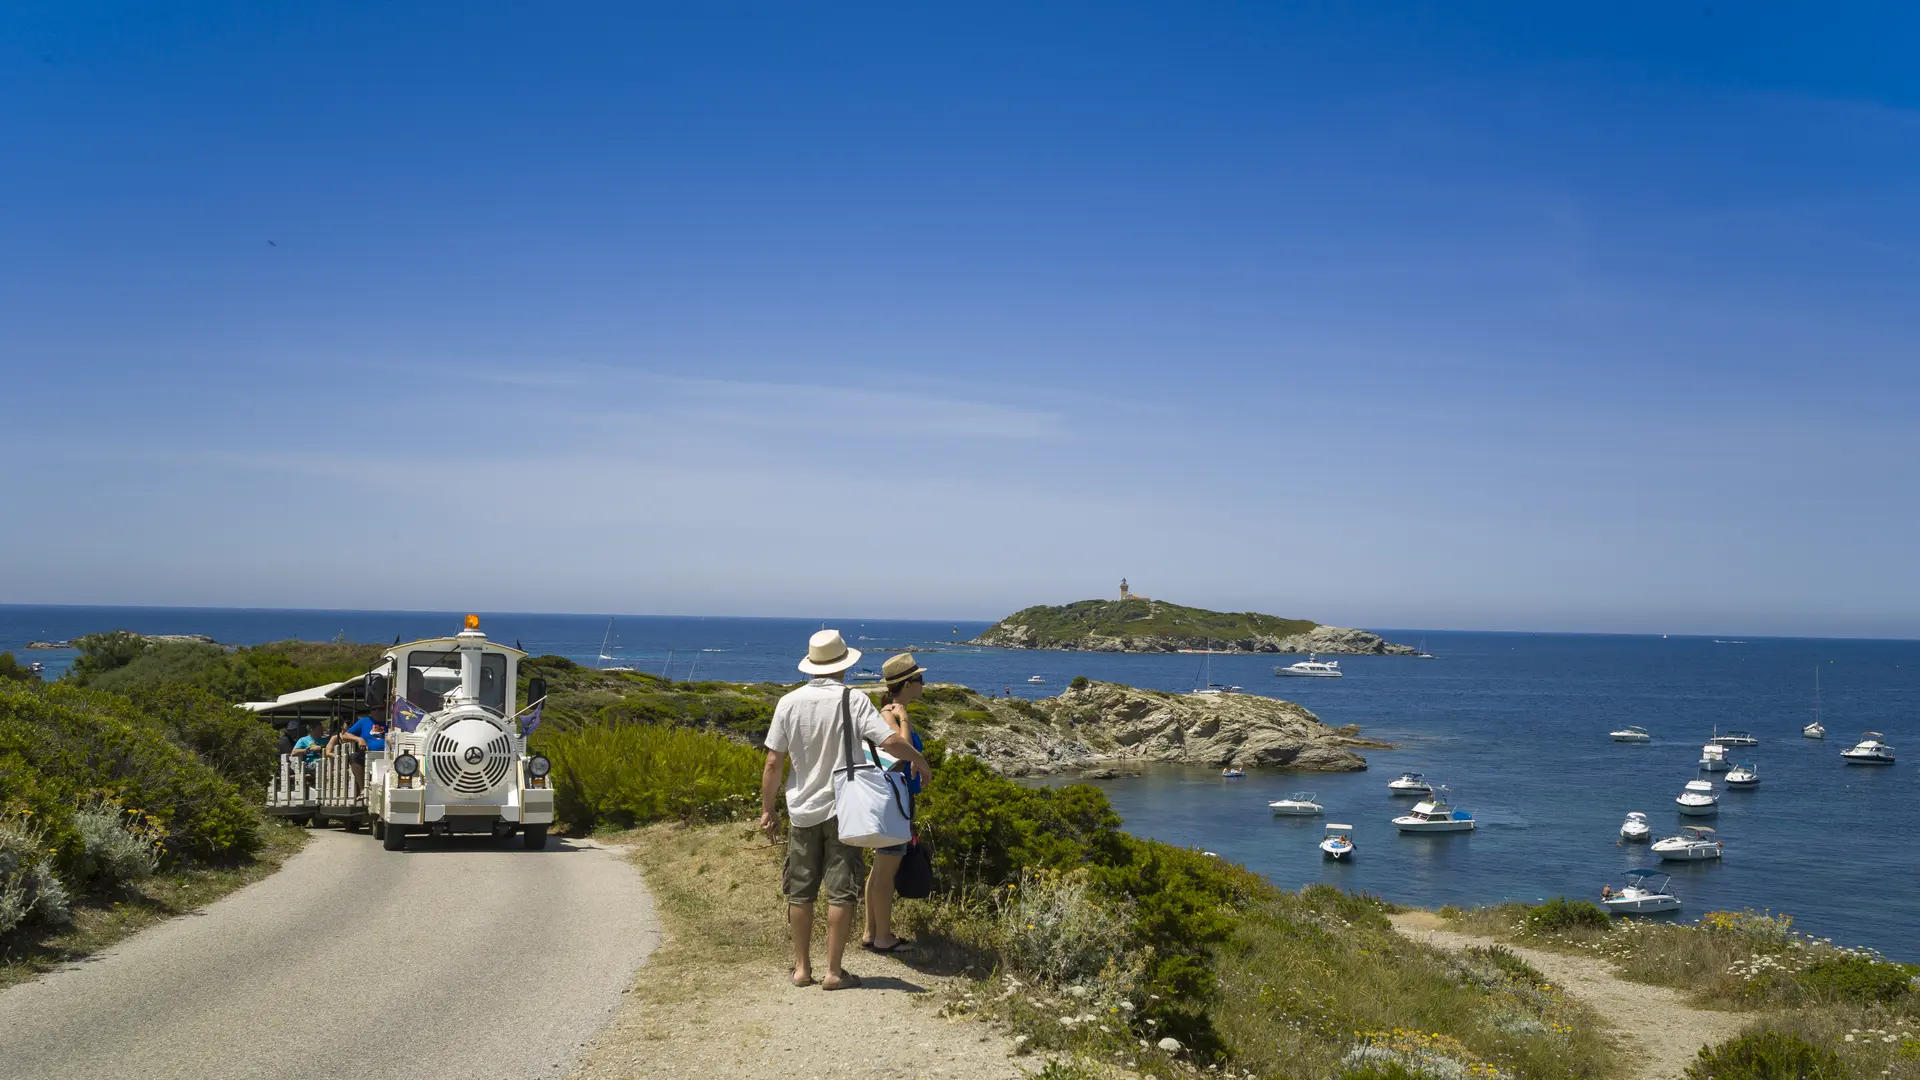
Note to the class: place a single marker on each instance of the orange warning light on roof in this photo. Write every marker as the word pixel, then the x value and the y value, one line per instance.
pixel 473 622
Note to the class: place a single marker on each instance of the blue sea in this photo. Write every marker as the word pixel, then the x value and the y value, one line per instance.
pixel 1515 724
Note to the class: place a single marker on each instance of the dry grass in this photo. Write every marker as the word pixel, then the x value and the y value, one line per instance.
pixel 100 922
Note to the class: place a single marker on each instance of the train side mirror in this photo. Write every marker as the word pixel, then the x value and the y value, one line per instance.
pixel 376 690
pixel 536 689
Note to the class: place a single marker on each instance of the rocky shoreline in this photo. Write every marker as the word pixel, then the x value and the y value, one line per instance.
pixel 1106 729
pixel 158 639
pixel 1332 640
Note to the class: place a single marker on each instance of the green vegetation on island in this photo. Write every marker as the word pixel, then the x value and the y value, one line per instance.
pixel 1137 624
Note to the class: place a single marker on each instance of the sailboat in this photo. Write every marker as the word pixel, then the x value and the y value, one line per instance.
pixel 1208 686
pixel 1815 730
pixel 606 643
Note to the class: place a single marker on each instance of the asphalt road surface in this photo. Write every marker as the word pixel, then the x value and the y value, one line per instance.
pixel 456 959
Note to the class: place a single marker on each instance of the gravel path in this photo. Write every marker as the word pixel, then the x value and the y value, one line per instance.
pixel 749 1023
pixel 1660 1031
pixel 456 959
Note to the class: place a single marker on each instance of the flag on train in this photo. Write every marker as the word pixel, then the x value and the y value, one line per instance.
pixel 407 715
pixel 532 719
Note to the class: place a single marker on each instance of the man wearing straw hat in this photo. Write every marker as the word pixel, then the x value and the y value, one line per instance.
pixel 806 728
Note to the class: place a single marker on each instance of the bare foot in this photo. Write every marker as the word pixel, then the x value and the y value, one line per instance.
pixel 802 977
pixel 846 980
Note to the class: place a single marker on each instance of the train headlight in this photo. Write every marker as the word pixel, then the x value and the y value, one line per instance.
pixel 538 766
pixel 406 765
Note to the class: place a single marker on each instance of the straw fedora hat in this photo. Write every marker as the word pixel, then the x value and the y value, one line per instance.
pixel 900 667
pixel 827 653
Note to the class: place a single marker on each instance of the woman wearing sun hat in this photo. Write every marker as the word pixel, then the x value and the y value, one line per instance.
pixel 905 679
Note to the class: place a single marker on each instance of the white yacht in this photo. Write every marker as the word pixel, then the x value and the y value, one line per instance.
pixel 1699 799
pixel 1815 730
pixel 1411 783
pixel 1338 843
pixel 1035 679
pixel 1713 758
pixel 1432 814
pixel 1696 844
pixel 1311 668
pixel 1647 891
pixel 1297 803
pixel 1735 738
pixel 1635 829
pixel 1632 733
pixel 1869 751
pixel 1743 775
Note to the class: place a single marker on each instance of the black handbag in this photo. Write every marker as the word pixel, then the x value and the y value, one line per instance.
pixel 914 879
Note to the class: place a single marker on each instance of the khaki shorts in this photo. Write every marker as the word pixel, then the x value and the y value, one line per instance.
pixel 815 853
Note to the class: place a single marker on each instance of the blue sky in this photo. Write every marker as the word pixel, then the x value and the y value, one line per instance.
pixel 1478 316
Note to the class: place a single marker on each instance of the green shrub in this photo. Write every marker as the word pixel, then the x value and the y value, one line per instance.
pixel 1561 913
pixel 236 743
pixel 13 669
pixel 630 774
pixel 1079 682
pixel 117 847
pixel 182 663
pixel 947 695
pixel 1766 1055
pixel 1055 928
pixel 30 887
pixel 1507 963
pixel 101 653
pixel 77 743
pixel 966 716
pixel 1857 978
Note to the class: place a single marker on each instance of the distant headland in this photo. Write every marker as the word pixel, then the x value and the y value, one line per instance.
pixel 1134 623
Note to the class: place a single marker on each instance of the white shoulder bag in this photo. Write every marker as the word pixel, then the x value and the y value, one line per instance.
pixel 873 804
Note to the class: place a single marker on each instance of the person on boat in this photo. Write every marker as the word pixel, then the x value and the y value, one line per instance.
pixel 905 679
pixel 1606 892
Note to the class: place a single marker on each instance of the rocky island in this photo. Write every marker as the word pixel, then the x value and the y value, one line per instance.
pixel 1137 624
pixel 1101 726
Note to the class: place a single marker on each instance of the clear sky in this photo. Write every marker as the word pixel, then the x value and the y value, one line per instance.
pixel 1596 317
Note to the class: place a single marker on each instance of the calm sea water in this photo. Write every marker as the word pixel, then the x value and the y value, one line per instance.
pixel 1515 724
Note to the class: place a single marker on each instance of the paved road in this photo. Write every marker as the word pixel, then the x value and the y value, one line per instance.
pixel 461 960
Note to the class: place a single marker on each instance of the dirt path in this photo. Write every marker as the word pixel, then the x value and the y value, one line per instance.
pixel 749 1023
pixel 1659 1030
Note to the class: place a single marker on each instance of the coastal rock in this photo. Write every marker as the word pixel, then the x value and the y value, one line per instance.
pixel 1103 723
pixel 1139 625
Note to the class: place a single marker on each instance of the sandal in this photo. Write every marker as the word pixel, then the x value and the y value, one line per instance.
pixel 847 981
pixel 900 945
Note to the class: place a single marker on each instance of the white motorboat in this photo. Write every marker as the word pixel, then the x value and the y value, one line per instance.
pixel 1635 829
pixel 1035 679
pixel 1713 758
pixel 1411 783
pixel 864 676
pixel 1869 751
pixel 1433 815
pixel 1815 730
pixel 1735 738
pixel 1338 843
pixel 1311 668
pixel 1646 891
pixel 1695 844
pixel 1743 776
pixel 1297 803
pixel 1698 799
pixel 1632 733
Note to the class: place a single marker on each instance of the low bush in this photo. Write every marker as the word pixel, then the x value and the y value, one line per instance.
pixel 1766 1055
pixel 1857 978
pixel 1055 928
pixel 1561 913
pixel 232 740
pixel 1079 682
pixel 948 695
pixel 68 744
pixel 30 889
pixel 624 775
pixel 117 847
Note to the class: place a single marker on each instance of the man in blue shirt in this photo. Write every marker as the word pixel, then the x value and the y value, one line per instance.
pixel 367 733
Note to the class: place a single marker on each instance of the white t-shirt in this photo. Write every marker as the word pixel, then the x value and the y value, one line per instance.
pixel 806 727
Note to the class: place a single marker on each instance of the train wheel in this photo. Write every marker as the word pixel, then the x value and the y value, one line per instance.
pixel 379 828
pixel 396 838
pixel 534 836
pixel 319 821
pixel 350 824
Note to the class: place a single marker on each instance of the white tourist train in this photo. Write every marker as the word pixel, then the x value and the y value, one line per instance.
pixel 456 759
